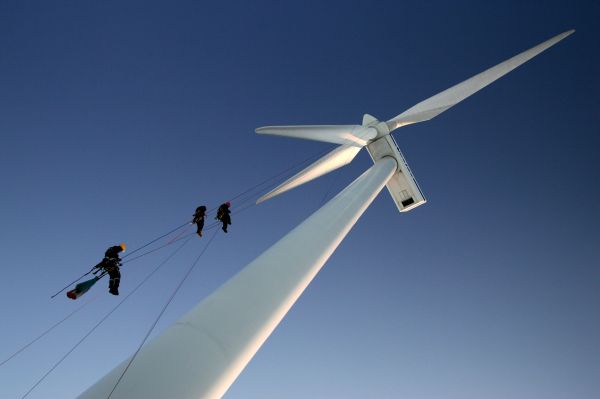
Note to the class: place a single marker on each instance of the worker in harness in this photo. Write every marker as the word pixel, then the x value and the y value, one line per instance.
pixel 223 215
pixel 199 218
pixel 111 264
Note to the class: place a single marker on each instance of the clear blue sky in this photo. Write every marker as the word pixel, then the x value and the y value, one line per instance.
pixel 118 118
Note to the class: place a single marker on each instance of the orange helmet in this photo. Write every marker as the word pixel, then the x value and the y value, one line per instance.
pixel 123 246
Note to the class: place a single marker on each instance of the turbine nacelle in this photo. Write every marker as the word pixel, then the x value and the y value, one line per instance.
pixel 372 134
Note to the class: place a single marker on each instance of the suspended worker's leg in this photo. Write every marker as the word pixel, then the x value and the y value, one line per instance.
pixel 113 282
pixel 200 227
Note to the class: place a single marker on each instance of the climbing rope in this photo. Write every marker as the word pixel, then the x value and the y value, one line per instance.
pixel 157 248
pixel 242 203
pixel 104 272
pixel 175 291
pixel 104 318
pixel 274 177
pixel 24 347
pixel 47 331
pixel 156 239
pixel 193 265
pixel 242 198
pixel 132 252
pixel 238 196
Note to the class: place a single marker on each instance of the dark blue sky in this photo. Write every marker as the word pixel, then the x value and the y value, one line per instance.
pixel 118 118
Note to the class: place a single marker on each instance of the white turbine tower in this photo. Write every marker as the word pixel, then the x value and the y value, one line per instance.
pixel 202 354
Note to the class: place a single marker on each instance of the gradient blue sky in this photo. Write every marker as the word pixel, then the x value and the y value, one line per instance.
pixel 118 118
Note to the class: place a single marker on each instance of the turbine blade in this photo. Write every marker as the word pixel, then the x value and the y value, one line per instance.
pixel 337 158
pixel 437 104
pixel 354 135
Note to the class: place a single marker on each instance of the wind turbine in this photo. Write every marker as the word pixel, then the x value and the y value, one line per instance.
pixel 202 354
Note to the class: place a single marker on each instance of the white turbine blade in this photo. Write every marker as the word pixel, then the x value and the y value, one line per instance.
pixel 437 104
pixel 354 135
pixel 337 158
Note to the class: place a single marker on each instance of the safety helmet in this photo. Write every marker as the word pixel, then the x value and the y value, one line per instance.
pixel 228 204
pixel 123 246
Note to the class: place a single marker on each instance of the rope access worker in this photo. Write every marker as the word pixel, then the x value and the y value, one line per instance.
pixel 223 215
pixel 111 264
pixel 199 218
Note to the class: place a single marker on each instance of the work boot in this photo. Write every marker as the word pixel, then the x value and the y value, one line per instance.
pixel 114 291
